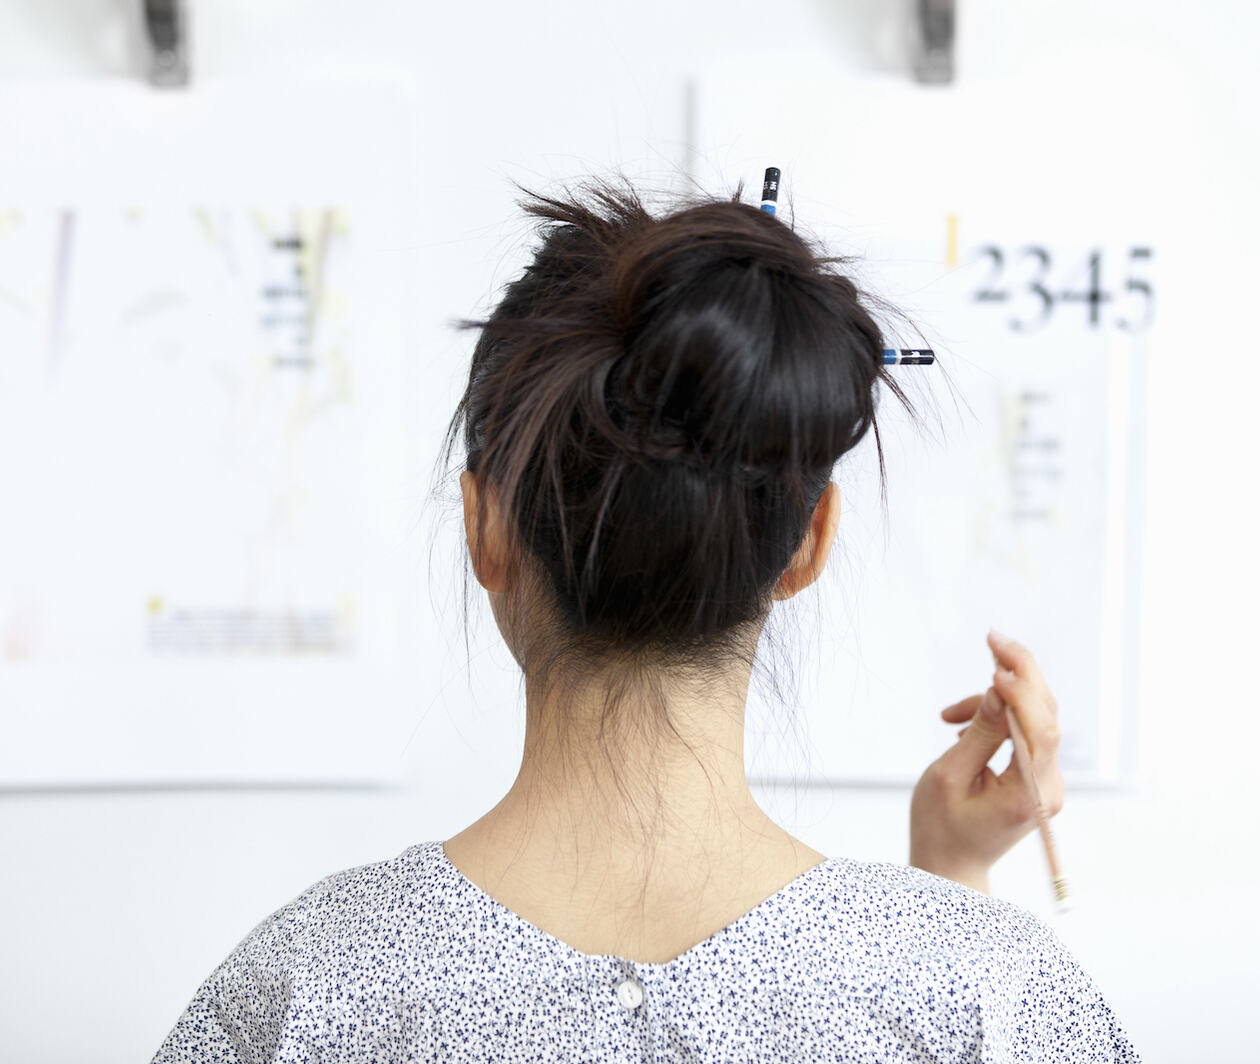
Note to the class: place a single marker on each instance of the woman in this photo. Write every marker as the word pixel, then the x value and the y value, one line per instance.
pixel 651 421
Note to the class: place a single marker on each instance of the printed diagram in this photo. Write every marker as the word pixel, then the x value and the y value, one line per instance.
pixel 1034 470
pixel 179 435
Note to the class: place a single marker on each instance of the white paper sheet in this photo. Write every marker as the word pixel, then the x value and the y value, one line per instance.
pixel 1036 284
pixel 203 431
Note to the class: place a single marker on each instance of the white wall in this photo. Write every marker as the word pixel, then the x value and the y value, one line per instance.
pixel 115 904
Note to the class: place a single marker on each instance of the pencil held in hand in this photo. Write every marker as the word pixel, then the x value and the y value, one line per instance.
pixel 1017 675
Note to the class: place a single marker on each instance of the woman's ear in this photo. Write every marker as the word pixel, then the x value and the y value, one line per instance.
pixel 810 557
pixel 488 541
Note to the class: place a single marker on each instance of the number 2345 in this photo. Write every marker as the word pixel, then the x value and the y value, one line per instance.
pixel 1136 291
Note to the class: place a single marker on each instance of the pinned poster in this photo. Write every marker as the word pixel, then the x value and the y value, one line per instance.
pixel 1026 256
pixel 203 428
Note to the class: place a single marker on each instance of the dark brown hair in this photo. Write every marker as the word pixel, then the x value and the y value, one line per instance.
pixel 658 404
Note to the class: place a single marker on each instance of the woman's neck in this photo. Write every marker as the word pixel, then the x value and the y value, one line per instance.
pixel 637 814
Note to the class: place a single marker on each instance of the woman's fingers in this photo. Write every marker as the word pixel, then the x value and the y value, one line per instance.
pixel 1019 677
pixel 1024 690
pixel 962 763
pixel 1019 659
pixel 1027 692
pixel 1049 789
pixel 961 711
pixel 1036 712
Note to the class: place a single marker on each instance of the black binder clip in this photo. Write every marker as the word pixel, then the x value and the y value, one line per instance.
pixel 166 33
pixel 933 35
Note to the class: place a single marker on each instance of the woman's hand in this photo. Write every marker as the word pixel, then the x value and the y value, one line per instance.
pixel 963 816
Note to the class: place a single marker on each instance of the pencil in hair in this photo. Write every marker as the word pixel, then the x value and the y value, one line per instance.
pixel 770 190
pixel 909 356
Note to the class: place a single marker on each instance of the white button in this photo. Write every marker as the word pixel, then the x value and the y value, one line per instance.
pixel 630 994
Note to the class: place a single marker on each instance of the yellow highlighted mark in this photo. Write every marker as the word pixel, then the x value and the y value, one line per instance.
pixel 951 239
pixel 155 604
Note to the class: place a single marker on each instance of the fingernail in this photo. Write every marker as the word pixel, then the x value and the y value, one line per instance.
pixel 998 637
pixel 991 707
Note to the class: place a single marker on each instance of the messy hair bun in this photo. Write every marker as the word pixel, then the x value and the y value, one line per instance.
pixel 658 403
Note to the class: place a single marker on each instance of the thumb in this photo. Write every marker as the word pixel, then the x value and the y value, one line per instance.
pixel 987 731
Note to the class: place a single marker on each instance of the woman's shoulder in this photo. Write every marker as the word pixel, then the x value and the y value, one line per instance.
pixel 916 902
pixel 889 913
pixel 895 934
pixel 346 948
pixel 386 905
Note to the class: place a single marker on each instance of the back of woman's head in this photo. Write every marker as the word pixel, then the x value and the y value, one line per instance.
pixel 657 404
